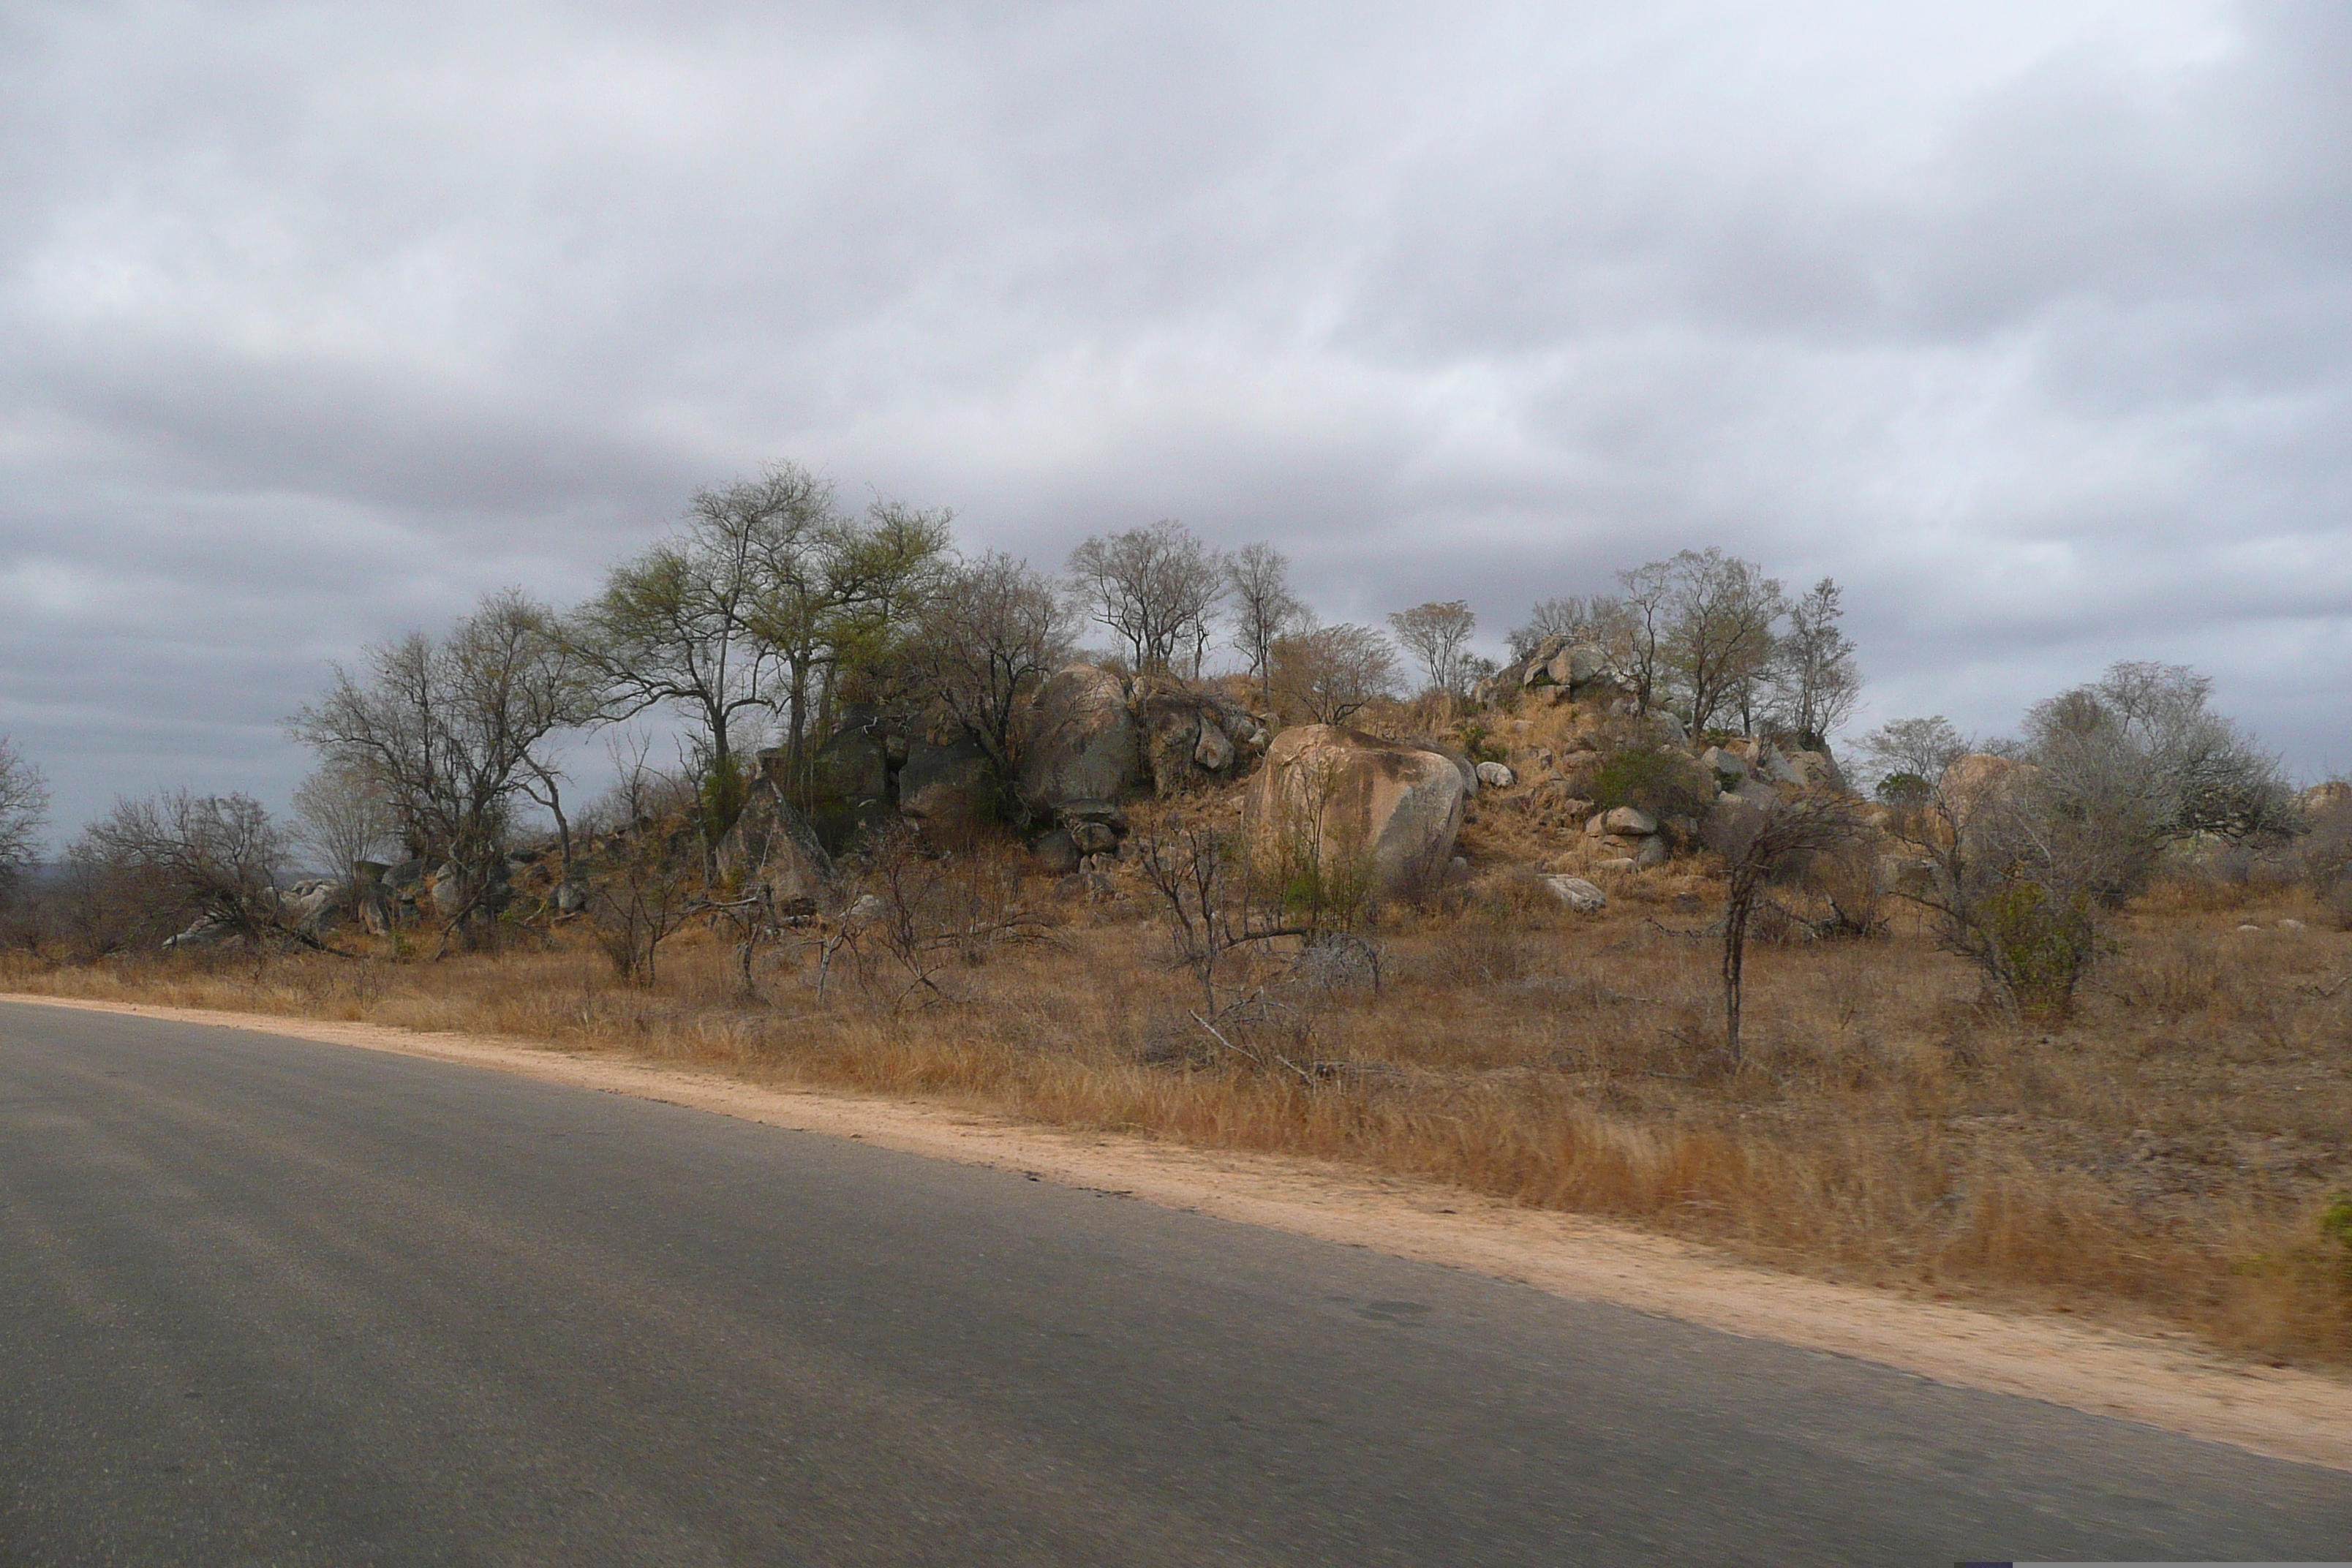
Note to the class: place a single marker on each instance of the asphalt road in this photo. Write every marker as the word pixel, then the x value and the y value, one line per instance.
pixel 274 1302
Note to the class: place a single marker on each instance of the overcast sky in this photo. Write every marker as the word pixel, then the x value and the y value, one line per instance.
pixel 2028 322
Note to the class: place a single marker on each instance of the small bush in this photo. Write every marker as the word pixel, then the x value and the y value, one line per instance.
pixel 2040 946
pixel 1657 780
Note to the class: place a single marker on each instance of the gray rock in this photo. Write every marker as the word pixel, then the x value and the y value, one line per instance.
pixel 1083 745
pixel 570 896
pixel 209 931
pixel 1190 736
pixel 1056 853
pixel 1729 768
pixel 1578 894
pixel 950 786
pixel 1093 837
pixel 1497 775
pixel 849 779
pixel 1337 961
pixel 1631 821
pixel 1107 812
pixel 772 848
pixel 867 909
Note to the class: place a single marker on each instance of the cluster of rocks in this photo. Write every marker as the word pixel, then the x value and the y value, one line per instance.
pixel 1096 739
pixel 1558 669
pixel 1097 736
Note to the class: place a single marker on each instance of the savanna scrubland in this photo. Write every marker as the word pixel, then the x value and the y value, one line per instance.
pixel 2057 1019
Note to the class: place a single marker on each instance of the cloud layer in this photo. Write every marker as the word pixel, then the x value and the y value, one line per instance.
pixel 2027 322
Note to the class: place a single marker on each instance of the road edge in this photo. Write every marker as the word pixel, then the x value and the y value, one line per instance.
pixel 2166 1381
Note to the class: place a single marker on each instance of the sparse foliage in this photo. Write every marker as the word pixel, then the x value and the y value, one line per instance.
pixel 1328 675
pixel 24 812
pixel 340 817
pixel 1265 610
pixel 1157 589
pixel 1758 842
pixel 452 728
pixel 1814 681
pixel 1435 634
pixel 1593 619
pixel 991 635
pixel 183 859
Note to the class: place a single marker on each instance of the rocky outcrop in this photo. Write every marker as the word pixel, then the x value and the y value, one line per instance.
pixel 772 848
pixel 1452 753
pixel 1082 741
pixel 947 788
pixel 1497 775
pixel 1337 799
pixel 1190 736
pixel 1626 838
pixel 1581 671
pixel 849 786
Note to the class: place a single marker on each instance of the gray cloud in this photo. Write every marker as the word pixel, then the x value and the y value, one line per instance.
pixel 2028 322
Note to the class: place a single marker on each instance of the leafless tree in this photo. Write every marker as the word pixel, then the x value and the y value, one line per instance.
pixel 341 815
pixel 1575 615
pixel 1265 610
pixel 1814 681
pixel 1203 882
pixel 1758 842
pixel 1647 610
pixel 1328 674
pixel 990 635
pixel 923 913
pixel 190 857
pixel 1157 589
pixel 1434 634
pixel 24 812
pixel 453 728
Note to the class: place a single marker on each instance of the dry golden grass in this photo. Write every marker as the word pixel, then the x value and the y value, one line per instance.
pixel 2168 1153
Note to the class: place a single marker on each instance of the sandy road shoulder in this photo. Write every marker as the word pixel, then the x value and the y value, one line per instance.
pixel 2165 1381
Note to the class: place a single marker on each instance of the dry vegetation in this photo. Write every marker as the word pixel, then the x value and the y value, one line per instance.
pixel 2171 1151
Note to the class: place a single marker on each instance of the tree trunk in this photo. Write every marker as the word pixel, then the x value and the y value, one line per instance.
pixel 1735 954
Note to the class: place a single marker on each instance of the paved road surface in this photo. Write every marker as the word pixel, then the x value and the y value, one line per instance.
pixel 274 1302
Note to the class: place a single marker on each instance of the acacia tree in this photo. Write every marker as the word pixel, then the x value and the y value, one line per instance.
pixel 452 728
pixel 1434 634
pixel 1757 843
pixel 1814 681
pixel 2137 761
pixel 829 591
pixel 1156 589
pixel 989 636
pixel 1331 672
pixel 1644 629
pixel 672 626
pixel 1265 610
pixel 1720 633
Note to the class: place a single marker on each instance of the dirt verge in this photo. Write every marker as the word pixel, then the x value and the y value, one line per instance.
pixel 2160 1379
